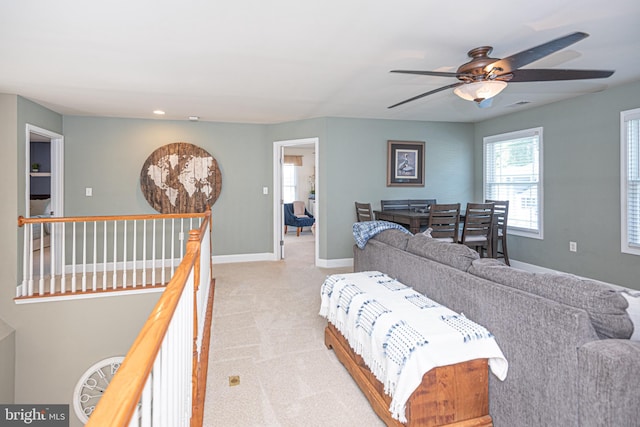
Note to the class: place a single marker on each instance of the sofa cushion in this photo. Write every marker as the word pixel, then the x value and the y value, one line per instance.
pixel 393 237
pixel 606 306
pixel 633 298
pixel 452 254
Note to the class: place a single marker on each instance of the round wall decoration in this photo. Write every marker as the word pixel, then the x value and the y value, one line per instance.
pixel 180 178
pixel 92 385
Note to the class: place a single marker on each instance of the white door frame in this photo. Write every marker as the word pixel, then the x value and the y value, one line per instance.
pixel 278 220
pixel 57 168
pixel 57 176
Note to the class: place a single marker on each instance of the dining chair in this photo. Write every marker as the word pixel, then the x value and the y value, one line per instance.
pixel 363 212
pixel 499 238
pixel 444 222
pixel 476 231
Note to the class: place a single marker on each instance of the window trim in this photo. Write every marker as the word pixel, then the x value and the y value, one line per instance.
pixel 518 231
pixel 624 197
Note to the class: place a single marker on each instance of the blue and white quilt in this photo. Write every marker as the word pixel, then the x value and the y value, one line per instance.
pixel 402 334
pixel 363 231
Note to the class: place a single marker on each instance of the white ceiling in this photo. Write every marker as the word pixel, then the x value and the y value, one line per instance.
pixel 258 61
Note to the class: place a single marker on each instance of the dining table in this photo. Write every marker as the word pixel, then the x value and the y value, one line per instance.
pixel 414 219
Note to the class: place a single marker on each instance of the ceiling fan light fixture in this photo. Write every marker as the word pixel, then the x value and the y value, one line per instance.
pixel 477 91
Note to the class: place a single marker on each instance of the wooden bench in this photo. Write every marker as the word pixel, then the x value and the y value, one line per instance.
pixel 455 395
pixel 390 324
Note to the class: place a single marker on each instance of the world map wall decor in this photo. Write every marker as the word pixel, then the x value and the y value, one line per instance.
pixel 180 178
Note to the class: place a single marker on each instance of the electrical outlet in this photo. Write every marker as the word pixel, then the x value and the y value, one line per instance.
pixel 88 192
pixel 265 190
pixel 234 380
pixel 573 246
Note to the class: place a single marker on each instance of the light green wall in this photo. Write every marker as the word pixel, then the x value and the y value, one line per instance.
pixel 8 249
pixel 7 362
pixel 356 163
pixel 353 162
pixel 107 155
pixel 581 184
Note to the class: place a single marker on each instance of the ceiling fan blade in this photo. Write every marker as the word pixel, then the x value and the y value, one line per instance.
pixel 513 62
pixel 542 75
pixel 431 92
pixel 428 73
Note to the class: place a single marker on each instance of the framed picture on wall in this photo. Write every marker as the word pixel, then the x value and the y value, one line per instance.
pixel 405 163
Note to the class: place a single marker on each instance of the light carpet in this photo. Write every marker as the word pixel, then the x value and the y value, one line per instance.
pixel 266 330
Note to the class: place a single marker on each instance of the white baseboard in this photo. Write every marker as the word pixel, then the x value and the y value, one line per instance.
pixel 335 263
pixel 224 259
pixel 322 263
pixel 77 296
pixel 531 267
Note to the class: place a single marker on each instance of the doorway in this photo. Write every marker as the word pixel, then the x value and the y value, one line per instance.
pixel 44 186
pixel 44 169
pixel 303 191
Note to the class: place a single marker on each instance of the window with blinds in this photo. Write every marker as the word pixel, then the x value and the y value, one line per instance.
pixel 513 172
pixel 289 183
pixel 630 181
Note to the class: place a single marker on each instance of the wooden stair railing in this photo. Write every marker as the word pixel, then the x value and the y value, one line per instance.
pixel 148 388
pixel 78 255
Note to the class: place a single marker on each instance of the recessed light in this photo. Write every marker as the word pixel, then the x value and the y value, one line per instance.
pixel 158 112
pixel 194 118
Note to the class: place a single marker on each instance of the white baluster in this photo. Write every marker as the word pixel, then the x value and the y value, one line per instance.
pixel 104 258
pixel 146 402
pixel 124 256
pixel 29 260
pixel 84 256
pixel 185 237
pixel 144 252
pixel 73 258
pixel 94 284
pixel 164 256
pixel 52 257
pixel 135 248
pixel 63 254
pixel 115 254
pixel 157 389
pixel 153 255
pixel 41 277
pixel 173 239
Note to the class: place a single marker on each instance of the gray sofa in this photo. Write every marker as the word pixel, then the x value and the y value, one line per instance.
pixel 565 338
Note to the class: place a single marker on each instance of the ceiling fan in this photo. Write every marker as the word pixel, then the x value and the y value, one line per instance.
pixel 484 77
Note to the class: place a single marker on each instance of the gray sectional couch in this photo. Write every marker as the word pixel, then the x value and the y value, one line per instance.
pixel 565 338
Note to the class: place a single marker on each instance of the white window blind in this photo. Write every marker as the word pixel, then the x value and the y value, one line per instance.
pixel 288 183
pixel 630 181
pixel 513 172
